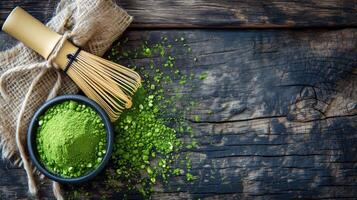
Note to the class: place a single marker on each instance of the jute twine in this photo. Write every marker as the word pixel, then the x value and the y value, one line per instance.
pixel 27 80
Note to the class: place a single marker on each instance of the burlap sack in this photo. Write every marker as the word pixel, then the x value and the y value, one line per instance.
pixel 27 80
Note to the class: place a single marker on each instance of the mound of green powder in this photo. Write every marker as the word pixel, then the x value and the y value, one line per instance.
pixel 71 139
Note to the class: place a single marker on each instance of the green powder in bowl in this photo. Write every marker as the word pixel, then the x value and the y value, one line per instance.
pixel 71 139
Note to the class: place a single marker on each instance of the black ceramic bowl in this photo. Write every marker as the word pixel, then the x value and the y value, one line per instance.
pixel 31 138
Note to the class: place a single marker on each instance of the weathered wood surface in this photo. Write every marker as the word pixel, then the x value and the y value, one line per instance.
pixel 227 14
pixel 278 110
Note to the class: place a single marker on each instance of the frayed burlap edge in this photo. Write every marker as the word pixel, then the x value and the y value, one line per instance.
pixel 27 81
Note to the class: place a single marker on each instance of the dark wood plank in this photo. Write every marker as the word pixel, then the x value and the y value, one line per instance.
pixel 224 14
pixel 241 14
pixel 42 9
pixel 278 110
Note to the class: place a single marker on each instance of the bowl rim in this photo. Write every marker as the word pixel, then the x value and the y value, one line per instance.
pixel 31 139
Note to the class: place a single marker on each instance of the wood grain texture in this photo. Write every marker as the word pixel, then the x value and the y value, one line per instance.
pixel 278 110
pixel 224 14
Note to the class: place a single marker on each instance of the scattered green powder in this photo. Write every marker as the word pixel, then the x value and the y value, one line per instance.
pixel 152 135
pixel 147 144
pixel 71 139
pixel 146 148
pixel 143 144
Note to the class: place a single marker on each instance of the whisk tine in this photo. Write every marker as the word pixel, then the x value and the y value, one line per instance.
pixel 98 86
pixel 87 84
pixel 103 86
pixel 129 79
pixel 109 84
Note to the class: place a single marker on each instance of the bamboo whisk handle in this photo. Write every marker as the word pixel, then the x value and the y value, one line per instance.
pixel 22 26
pixel 27 29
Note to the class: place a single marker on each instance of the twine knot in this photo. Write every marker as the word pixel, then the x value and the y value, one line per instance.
pixel 50 61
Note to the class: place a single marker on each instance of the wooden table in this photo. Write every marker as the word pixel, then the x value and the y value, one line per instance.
pixel 281 84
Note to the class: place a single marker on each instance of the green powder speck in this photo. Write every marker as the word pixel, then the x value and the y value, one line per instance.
pixel 203 76
pixel 71 139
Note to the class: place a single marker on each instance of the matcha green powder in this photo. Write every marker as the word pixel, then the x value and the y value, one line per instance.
pixel 153 139
pixel 71 139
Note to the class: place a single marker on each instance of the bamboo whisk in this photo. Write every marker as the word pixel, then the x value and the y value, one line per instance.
pixel 109 84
